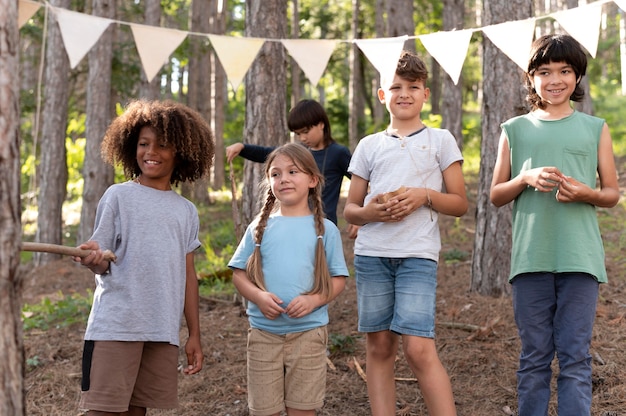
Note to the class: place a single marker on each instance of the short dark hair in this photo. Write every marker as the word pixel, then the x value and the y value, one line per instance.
pixel 555 48
pixel 309 113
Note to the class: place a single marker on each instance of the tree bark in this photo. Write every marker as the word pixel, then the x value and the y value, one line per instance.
pixel 355 82
pixel 492 245
pixel 452 95
pixel 266 89
pixel 219 99
pixel 12 399
pixel 52 170
pixel 97 174
pixel 199 91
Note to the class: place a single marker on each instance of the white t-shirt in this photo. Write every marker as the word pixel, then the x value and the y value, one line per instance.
pixel 388 162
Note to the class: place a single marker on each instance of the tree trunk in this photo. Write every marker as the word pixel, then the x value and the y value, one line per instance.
pixel 400 21
pixel 219 99
pixel 97 174
pixel 52 170
pixel 295 68
pixel 199 91
pixel 266 89
pixel 492 245
pixel 452 95
pixel 355 82
pixel 152 17
pixel 12 400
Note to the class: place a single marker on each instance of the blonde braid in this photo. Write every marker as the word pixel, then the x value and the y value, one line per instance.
pixel 322 284
pixel 254 266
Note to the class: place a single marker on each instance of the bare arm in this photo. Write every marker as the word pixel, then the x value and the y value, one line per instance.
pixel 505 189
pixel 193 347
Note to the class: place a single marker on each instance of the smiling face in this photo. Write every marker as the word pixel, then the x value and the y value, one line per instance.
pixel 155 158
pixel 290 185
pixel 554 82
pixel 404 99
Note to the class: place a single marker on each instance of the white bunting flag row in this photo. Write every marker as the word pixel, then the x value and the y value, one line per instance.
pixel 80 32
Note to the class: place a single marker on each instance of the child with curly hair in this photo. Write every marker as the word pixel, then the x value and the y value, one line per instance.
pixel 289 265
pixel 130 356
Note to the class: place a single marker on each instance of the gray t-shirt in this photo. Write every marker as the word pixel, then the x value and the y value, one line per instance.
pixel 151 232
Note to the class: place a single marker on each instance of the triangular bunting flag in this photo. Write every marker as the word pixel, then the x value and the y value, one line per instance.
pixel 25 10
pixel 449 49
pixel 514 39
pixel 235 55
pixel 383 53
pixel 79 32
pixel 583 24
pixel 155 45
pixel 311 55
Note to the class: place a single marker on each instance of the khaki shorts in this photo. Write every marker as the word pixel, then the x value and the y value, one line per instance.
pixel 286 370
pixel 117 374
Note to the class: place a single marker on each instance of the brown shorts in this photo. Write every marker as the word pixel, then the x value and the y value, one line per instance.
pixel 286 370
pixel 117 374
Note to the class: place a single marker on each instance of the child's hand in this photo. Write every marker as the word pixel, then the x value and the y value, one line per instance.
pixel 543 179
pixel 233 151
pixel 572 190
pixel 95 260
pixel 193 349
pixel 352 231
pixel 269 304
pixel 301 306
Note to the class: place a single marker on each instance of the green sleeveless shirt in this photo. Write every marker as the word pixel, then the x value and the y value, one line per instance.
pixel 551 236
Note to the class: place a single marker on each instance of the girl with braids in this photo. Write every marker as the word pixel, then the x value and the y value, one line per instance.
pixel 289 265
pixel 130 358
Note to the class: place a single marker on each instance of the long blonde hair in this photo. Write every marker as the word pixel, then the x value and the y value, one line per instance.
pixel 303 159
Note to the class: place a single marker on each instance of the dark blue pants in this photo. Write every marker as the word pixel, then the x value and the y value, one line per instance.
pixel 554 313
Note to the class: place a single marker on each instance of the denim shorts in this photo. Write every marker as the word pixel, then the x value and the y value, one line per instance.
pixel 396 294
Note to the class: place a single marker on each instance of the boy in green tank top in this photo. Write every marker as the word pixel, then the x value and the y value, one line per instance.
pixel 547 164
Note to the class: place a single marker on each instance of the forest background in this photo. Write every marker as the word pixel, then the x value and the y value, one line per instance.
pixel 64 112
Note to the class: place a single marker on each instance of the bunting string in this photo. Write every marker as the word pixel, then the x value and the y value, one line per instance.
pixel 155 44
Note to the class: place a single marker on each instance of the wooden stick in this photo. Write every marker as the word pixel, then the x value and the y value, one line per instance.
pixel 64 250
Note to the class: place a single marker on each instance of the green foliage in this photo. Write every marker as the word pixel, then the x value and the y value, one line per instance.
pixel 455 255
pixel 70 309
pixel 341 344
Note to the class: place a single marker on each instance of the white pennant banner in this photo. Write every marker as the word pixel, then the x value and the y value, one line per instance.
pixel 514 39
pixel 383 53
pixel 25 10
pixel 79 32
pixel 311 55
pixel 583 23
pixel 155 45
pixel 236 55
pixel 449 49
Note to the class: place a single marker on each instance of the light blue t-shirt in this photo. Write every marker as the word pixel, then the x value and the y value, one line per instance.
pixel 288 257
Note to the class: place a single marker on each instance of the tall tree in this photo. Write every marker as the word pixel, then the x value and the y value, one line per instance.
pixel 492 245
pixel 97 174
pixel 266 92
pixel 356 99
pixel 219 97
pixel 52 170
pixel 452 97
pixel 199 75
pixel 12 400
pixel 400 21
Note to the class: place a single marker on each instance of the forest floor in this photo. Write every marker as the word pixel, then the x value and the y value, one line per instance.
pixel 476 338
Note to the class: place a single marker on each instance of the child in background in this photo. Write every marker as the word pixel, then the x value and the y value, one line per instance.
pixel 130 358
pixel 547 164
pixel 398 244
pixel 289 266
pixel 310 123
